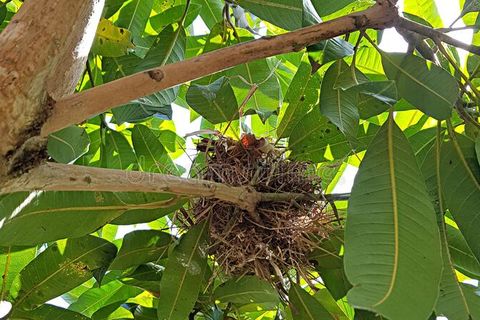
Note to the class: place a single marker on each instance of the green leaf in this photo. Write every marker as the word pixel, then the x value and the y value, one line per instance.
pixel 134 16
pixel 111 7
pixel 11 263
pixel 111 41
pixel 327 7
pixel 375 97
pixel 211 11
pixel 68 144
pixel 47 312
pixel 147 277
pixel 245 290
pixel 215 102
pixel 458 159
pixel 463 258
pixel 451 302
pixel 470 6
pixel 170 204
pixel 181 281
pixel 141 246
pixel 338 105
pixel 329 303
pixel 304 306
pixel 301 96
pixel 315 134
pixel 151 154
pixel 39 217
pixel 428 87
pixel 267 97
pixel 392 247
pixel 174 14
pixel 118 151
pixel 60 268
pixel 427 9
pixel 94 299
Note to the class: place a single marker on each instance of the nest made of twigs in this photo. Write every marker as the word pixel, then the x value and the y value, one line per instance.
pixel 281 237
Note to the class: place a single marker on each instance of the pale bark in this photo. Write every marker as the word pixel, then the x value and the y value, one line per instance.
pixel 61 177
pixel 42 55
pixel 81 106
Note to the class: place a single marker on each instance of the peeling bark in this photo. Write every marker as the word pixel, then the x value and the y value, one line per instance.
pixel 42 55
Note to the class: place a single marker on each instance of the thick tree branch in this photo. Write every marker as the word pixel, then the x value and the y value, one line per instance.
pixel 42 54
pixel 62 177
pixel 79 107
pixel 435 35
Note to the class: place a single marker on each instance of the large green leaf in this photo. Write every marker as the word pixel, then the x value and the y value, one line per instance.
pixel 425 85
pixel 215 102
pixel 47 312
pixel 211 11
pixel 392 245
pixel 463 258
pixel 301 95
pixel 174 14
pixel 38 217
pixel 141 246
pixel 315 134
pixel 427 9
pixel 146 276
pixel 68 144
pixel 94 299
pixel 452 302
pixel 118 151
pixel 304 306
pixel 11 263
pixel 134 16
pixel 338 105
pixel 458 161
pixel 182 279
pixel 245 290
pixel 151 154
pixel 60 268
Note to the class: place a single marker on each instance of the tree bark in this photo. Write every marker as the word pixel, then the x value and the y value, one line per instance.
pixel 42 55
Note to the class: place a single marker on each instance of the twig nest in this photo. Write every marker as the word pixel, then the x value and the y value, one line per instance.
pixel 278 236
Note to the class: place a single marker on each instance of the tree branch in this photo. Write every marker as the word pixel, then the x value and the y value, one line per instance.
pixel 61 177
pixel 435 34
pixel 81 106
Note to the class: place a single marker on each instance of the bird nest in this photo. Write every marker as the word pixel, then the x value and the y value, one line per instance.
pixel 280 234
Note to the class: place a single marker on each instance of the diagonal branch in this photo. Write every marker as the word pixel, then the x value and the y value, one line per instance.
pixel 436 35
pixel 81 106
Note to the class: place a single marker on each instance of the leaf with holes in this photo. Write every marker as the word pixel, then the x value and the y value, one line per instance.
pixel 338 105
pixel 392 245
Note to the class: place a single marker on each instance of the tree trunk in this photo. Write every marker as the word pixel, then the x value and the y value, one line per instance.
pixel 42 55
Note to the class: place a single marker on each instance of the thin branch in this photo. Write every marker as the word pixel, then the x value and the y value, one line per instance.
pixel 434 34
pixel 81 106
